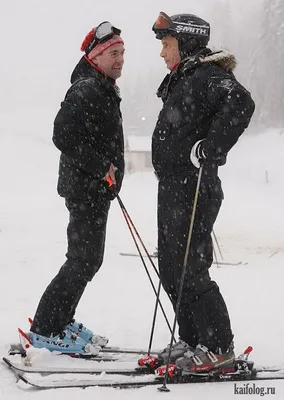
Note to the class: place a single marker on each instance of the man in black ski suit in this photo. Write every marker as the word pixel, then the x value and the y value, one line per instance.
pixel 88 132
pixel 205 110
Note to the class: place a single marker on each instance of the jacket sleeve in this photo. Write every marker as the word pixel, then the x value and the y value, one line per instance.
pixel 71 135
pixel 234 109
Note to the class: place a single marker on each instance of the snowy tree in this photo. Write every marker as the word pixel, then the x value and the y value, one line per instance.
pixel 266 72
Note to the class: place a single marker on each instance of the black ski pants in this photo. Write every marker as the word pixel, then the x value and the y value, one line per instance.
pixel 86 233
pixel 203 317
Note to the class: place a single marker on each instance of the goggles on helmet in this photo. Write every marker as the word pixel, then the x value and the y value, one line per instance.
pixel 103 33
pixel 165 25
pixel 163 22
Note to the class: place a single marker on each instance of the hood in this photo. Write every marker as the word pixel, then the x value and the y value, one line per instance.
pixel 85 70
pixel 224 58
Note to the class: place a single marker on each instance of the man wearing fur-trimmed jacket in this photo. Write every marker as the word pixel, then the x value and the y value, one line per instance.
pixel 205 110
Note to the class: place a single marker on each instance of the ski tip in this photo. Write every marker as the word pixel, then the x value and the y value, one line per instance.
pixel 30 320
pixel 248 350
pixel 22 378
pixel 6 361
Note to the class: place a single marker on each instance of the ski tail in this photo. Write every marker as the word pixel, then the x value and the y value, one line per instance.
pixel 24 339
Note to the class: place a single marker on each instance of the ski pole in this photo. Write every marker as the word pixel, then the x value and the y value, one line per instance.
pixel 215 256
pixel 131 225
pixel 128 218
pixel 154 318
pixel 124 211
pixel 137 234
pixel 149 257
pixel 157 294
pixel 164 388
pixel 219 249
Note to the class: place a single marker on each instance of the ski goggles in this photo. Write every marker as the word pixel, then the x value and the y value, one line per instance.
pixel 163 22
pixel 103 33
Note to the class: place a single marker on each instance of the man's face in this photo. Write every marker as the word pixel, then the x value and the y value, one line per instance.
pixel 111 60
pixel 170 52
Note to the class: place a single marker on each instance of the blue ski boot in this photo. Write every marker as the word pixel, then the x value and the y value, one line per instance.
pixel 65 343
pixel 86 334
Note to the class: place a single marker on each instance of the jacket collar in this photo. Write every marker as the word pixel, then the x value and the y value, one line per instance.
pixel 86 69
pixel 188 65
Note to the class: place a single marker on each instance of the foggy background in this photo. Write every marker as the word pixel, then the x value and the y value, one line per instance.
pixel 40 46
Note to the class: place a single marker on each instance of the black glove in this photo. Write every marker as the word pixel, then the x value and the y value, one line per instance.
pixel 100 189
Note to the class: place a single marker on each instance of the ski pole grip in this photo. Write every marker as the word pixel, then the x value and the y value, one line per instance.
pixel 109 181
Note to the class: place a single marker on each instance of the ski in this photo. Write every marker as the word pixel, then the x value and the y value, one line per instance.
pixel 214 262
pixel 129 374
pixel 116 367
pixel 125 350
pixel 17 349
pixel 120 367
pixel 125 372
pixel 50 382
pixel 41 383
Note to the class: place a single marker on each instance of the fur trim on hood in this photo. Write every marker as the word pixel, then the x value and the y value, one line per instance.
pixel 224 58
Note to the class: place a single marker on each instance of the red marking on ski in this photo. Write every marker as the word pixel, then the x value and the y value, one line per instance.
pixel 151 361
pixel 210 368
pixel 161 371
pixel 27 340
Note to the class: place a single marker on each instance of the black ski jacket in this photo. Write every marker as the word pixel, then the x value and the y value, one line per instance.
pixel 202 100
pixel 88 132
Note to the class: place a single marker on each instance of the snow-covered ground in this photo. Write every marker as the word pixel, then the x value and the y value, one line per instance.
pixel 119 302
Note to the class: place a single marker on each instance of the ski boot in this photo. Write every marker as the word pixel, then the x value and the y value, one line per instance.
pixel 86 334
pixel 64 343
pixel 204 360
pixel 178 350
